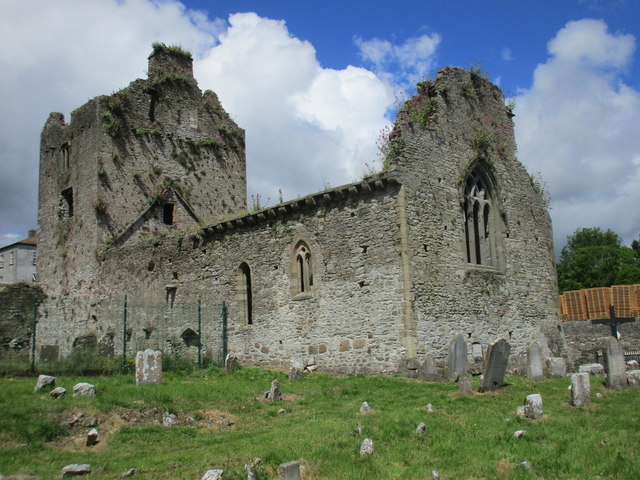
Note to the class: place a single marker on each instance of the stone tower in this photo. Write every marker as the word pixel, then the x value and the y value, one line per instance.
pixel 154 158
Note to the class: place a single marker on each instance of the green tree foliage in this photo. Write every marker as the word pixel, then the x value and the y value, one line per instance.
pixel 593 258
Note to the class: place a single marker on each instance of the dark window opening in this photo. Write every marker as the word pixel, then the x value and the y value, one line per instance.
pixel 246 293
pixel 167 213
pixel 65 162
pixel 190 338
pixel 67 201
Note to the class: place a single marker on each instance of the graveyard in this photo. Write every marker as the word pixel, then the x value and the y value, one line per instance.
pixel 182 424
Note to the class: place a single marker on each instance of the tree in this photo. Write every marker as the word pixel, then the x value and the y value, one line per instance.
pixel 593 258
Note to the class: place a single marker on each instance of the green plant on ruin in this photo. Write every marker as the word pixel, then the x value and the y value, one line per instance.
pixel 113 115
pixel 181 157
pixel 481 141
pixel 170 78
pixel 99 206
pixel 156 170
pixel 541 187
pixel 175 49
pixel 477 71
pixel 102 173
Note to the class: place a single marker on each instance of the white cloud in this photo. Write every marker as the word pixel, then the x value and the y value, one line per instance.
pixel 506 54
pixel 306 126
pixel 578 125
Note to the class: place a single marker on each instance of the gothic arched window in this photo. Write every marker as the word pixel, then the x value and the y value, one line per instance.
pixel 302 269
pixel 479 220
pixel 245 294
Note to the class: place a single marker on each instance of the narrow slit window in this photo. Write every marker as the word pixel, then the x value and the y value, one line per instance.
pixel 67 202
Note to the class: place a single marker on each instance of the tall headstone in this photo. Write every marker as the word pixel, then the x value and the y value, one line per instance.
pixel 580 390
pixel 148 367
pixel 495 365
pixel 616 368
pixel 535 362
pixel 458 362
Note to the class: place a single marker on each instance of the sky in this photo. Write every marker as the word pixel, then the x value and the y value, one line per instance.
pixel 314 82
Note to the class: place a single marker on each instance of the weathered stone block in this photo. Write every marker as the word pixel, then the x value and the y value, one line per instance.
pixel 616 368
pixel 45 382
pixel 84 389
pixel 535 362
pixel 533 406
pixel 556 367
pixel 495 365
pixel 580 390
pixel 289 471
pixel 458 362
pixel 148 367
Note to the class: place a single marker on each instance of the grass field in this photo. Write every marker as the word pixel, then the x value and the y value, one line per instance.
pixel 224 423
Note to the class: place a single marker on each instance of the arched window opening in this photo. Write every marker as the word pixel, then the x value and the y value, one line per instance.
pixel 245 294
pixel 302 269
pixel 480 224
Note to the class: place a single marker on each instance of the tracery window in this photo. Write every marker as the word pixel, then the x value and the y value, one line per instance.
pixel 479 220
pixel 303 274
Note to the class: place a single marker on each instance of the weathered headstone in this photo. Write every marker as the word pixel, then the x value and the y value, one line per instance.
pixel 274 394
pixel 580 390
pixel 495 365
pixel 92 437
pixel 169 419
pixel 366 448
pixel 533 406
pixel 76 469
pixel 44 382
pixel 289 471
pixel 231 362
pixel 616 368
pixel 633 378
pixel 148 367
pixel 296 372
pixel 556 367
pixel 428 372
pixel 591 369
pixel 458 362
pixel 535 362
pixel 464 385
pixel 58 392
pixel 421 429
pixel 214 474
pixel 365 408
pixel 84 389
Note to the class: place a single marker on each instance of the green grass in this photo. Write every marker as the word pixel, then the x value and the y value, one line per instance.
pixel 467 437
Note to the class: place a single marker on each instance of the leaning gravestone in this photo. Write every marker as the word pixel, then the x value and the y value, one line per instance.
pixel 148 367
pixel 458 363
pixel 535 362
pixel 580 390
pixel 616 368
pixel 495 365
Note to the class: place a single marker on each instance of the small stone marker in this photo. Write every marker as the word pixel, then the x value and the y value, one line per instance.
pixel 633 378
pixel 274 394
pixel 169 419
pixel 435 475
pixel 214 474
pixel 458 362
pixel 580 390
pixel 429 408
pixel 464 385
pixel 535 362
pixel 427 369
pixel 289 471
pixel 231 362
pixel 92 437
pixel 76 469
pixel 519 433
pixel 520 411
pixel 296 370
pixel 616 368
pixel 359 430
pixel 58 392
pixel 421 429
pixel 366 448
pixel 44 382
pixel 533 406
pixel 84 390
pixel 556 367
pixel 495 365
pixel 591 369
pixel 365 409
pixel 148 367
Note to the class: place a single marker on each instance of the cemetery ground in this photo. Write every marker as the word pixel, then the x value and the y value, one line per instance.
pixel 223 421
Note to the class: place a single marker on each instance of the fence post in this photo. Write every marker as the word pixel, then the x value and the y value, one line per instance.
pixel 224 332
pixel 124 336
pixel 199 334
pixel 34 321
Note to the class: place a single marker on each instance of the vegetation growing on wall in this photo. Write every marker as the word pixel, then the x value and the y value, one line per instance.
pixel 175 49
pixel 113 115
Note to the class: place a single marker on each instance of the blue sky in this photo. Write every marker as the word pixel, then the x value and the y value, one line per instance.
pixel 313 82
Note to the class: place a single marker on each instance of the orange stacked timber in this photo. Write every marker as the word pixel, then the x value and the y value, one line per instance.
pixel 576 305
pixel 563 308
pixel 625 300
pixel 598 302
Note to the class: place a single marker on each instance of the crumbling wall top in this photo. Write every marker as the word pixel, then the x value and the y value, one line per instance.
pixel 170 60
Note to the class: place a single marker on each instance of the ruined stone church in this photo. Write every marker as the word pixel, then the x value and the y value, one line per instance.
pixel 143 193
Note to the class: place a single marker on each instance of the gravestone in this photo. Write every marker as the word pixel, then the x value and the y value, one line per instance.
pixel 76 469
pixel 366 448
pixel 274 394
pixel 296 370
pixel 92 437
pixel 58 392
pixel 464 385
pixel 427 371
pixel 289 471
pixel 44 382
pixel 148 367
pixel 616 368
pixel 533 406
pixel 458 362
pixel 591 369
pixel 535 362
pixel 215 474
pixel 421 429
pixel 556 367
pixel 84 389
pixel 495 365
pixel 365 409
pixel 580 390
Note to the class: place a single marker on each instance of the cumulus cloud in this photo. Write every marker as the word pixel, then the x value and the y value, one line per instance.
pixel 578 125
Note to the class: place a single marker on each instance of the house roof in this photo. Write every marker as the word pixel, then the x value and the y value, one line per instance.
pixel 32 241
